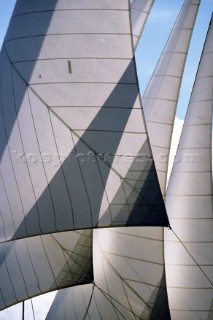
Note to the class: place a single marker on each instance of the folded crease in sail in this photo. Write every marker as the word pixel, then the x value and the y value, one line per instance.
pixel 189 249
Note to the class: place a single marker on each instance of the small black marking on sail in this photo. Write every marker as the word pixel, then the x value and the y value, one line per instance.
pixel 69 66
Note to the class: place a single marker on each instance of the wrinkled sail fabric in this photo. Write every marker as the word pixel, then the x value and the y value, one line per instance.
pixel 140 10
pixel 189 259
pixel 161 95
pixel 74 148
pixel 33 266
pixel 129 280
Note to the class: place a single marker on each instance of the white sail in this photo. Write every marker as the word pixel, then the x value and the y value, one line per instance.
pixel 128 262
pixel 72 122
pixel 189 248
pixel 33 266
pixel 140 10
pixel 33 128
pixel 128 283
pixel 161 95
pixel 129 280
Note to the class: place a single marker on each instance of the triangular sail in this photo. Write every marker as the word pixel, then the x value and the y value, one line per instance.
pixel 129 280
pixel 189 246
pixel 161 95
pixel 140 10
pixel 71 121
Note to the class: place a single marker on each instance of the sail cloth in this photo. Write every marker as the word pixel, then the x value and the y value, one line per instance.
pixel 32 266
pixel 41 128
pixel 128 283
pixel 72 123
pixel 189 250
pixel 140 10
pixel 161 95
pixel 116 293
pixel 129 275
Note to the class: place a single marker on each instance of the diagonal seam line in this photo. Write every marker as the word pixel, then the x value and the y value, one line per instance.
pixel 109 298
pixel 90 300
pixel 192 257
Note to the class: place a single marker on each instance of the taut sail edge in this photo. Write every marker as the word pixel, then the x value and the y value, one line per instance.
pixel 161 95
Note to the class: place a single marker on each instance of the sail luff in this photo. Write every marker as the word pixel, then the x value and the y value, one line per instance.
pixel 188 250
pixel 140 10
pixel 161 95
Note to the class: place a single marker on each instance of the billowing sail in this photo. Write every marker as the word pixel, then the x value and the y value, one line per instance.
pixel 140 10
pixel 54 167
pixel 128 282
pixel 75 154
pixel 189 247
pixel 74 148
pixel 161 95
pixel 32 266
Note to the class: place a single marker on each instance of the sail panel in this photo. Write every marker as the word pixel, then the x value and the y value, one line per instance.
pixel 27 49
pixel 200 204
pixel 32 266
pixel 161 95
pixel 189 204
pixel 108 70
pixel 29 6
pixel 19 25
pixel 62 184
pixel 128 279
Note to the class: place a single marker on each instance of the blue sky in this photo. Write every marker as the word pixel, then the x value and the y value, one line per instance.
pixel 156 32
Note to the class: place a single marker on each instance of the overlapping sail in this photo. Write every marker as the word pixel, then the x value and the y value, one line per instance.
pixel 161 95
pixel 32 266
pixel 129 284
pixel 69 111
pixel 189 248
pixel 75 155
pixel 140 10
pixel 128 280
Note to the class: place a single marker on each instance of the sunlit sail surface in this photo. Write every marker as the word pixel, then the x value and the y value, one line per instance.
pixel 140 10
pixel 134 293
pixel 76 160
pixel 189 250
pixel 161 95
